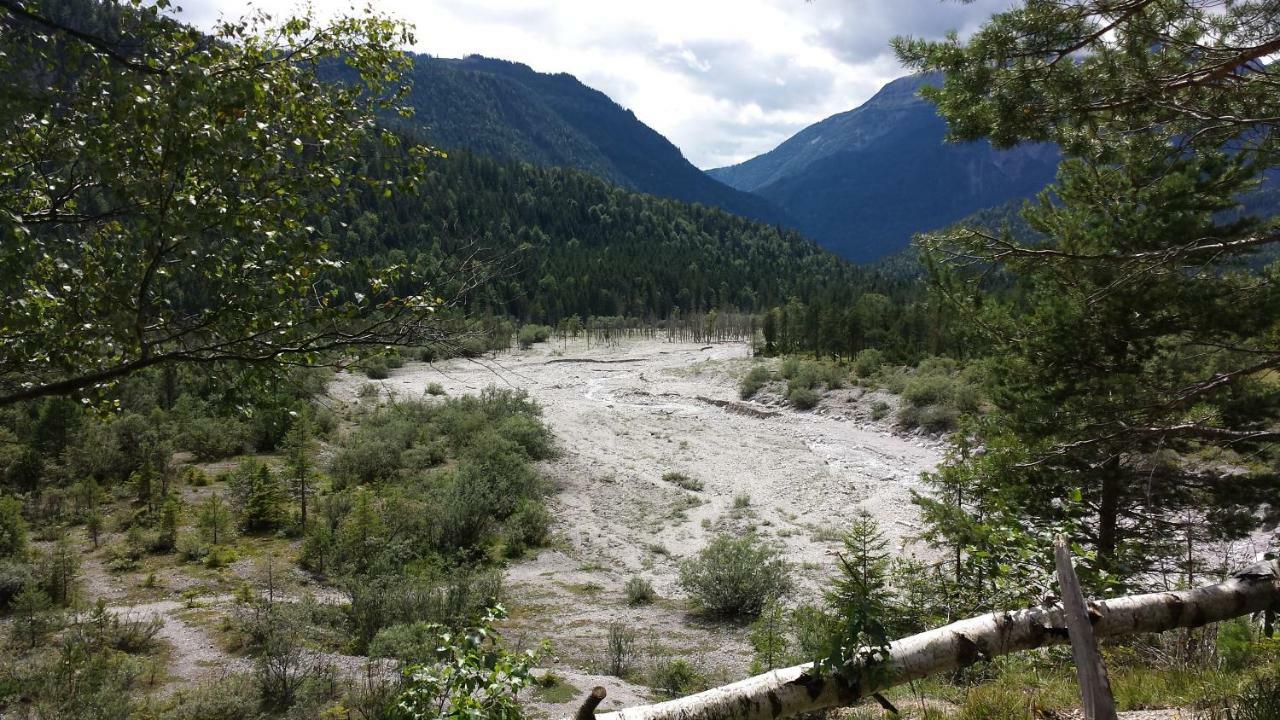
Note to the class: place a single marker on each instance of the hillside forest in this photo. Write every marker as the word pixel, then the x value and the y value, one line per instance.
pixel 342 382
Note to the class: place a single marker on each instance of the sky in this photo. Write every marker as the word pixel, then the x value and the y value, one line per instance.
pixel 725 80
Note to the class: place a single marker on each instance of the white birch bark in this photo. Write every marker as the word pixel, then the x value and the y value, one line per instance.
pixel 794 690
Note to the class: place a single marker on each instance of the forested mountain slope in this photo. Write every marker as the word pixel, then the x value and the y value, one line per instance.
pixel 585 247
pixel 509 112
pixel 863 182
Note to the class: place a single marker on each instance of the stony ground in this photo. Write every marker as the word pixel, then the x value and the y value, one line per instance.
pixel 627 414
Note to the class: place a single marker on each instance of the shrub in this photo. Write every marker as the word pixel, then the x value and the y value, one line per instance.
pixel 375 368
pixel 682 481
pixel 925 390
pixel 529 433
pixel 211 438
pixel 741 501
pixel 230 698
pixel 803 398
pixel 620 649
pixel 753 381
pixel 676 677
pixel 933 418
pixel 435 388
pixel 733 577
pixel 15 575
pixel 527 527
pixel 368 391
pixel 406 642
pixel 867 362
pixel 472 675
pixel 639 591
pixel 530 334
pixel 879 410
pixel 365 459
pixel 262 500
pixel 13 529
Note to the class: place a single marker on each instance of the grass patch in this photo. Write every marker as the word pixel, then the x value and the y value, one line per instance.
pixel 682 481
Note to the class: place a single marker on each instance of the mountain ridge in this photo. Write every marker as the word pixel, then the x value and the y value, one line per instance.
pixel 508 111
pixel 864 181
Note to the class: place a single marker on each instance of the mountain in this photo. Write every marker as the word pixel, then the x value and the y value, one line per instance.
pixel 863 182
pixel 510 112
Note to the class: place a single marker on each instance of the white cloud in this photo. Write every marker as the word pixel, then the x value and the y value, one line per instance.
pixel 723 79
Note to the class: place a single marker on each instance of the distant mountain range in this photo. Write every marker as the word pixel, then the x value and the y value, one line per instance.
pixel 863 182
pixel 509 112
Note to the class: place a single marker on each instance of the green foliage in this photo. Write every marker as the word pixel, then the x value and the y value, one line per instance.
pixel 620 649
pixel 860 598
pixel 531 334
pixel 639 591
pixel 375 368
pixel 471 675
pixel 215 520
pixel 768 636
pixel 13 529
pixel 1119 344
pixel 755 379
pixel 233 697
pixel 867 362
pixel 803 398
pixel 734 577
pixel 230 183
pixel 682 481
pixel 31 615
pixel 385 601
pixel 261 497
pixel 214 438
pixel 677 677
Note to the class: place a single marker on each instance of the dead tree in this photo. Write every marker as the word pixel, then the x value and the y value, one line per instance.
pixel 799 689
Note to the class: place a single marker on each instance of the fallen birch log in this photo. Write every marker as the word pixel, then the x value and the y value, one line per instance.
pixel 795 690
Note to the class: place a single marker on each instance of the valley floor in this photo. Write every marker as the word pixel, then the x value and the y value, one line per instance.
pixel 625 415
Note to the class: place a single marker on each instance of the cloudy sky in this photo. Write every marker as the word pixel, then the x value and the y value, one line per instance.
pixel 725 80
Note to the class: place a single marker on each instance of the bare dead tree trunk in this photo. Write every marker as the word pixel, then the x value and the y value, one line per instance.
pixel 798 689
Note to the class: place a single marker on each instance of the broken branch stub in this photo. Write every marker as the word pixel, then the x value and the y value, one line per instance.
pixel 794 690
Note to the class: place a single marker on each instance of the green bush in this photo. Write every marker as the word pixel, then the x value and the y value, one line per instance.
pixel 472 675
pixel 753 381
pixel 13 529
pixel 639 591
pixel 879 410
pixel 529 433
pixel 733 577
pixel 211 438
pixel 376 368
pixel 923 390
pixel 261 497
pixel 620 649
pixel 675 678
pixel 803 398
pixel 530 334
pixel 233 697
pixel 435 388
pixel 933 418
pixel 867 363
pixel 365 459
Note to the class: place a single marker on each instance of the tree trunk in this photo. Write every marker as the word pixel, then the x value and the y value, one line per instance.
pixel 794 690
pixel 1108 511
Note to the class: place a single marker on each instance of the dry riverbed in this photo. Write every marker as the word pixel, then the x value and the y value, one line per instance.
pixel 624 415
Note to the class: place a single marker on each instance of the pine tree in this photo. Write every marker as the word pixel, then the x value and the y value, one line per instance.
pixel 299 446
pixel 30 613
pixel 860 595
pixel 214 519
